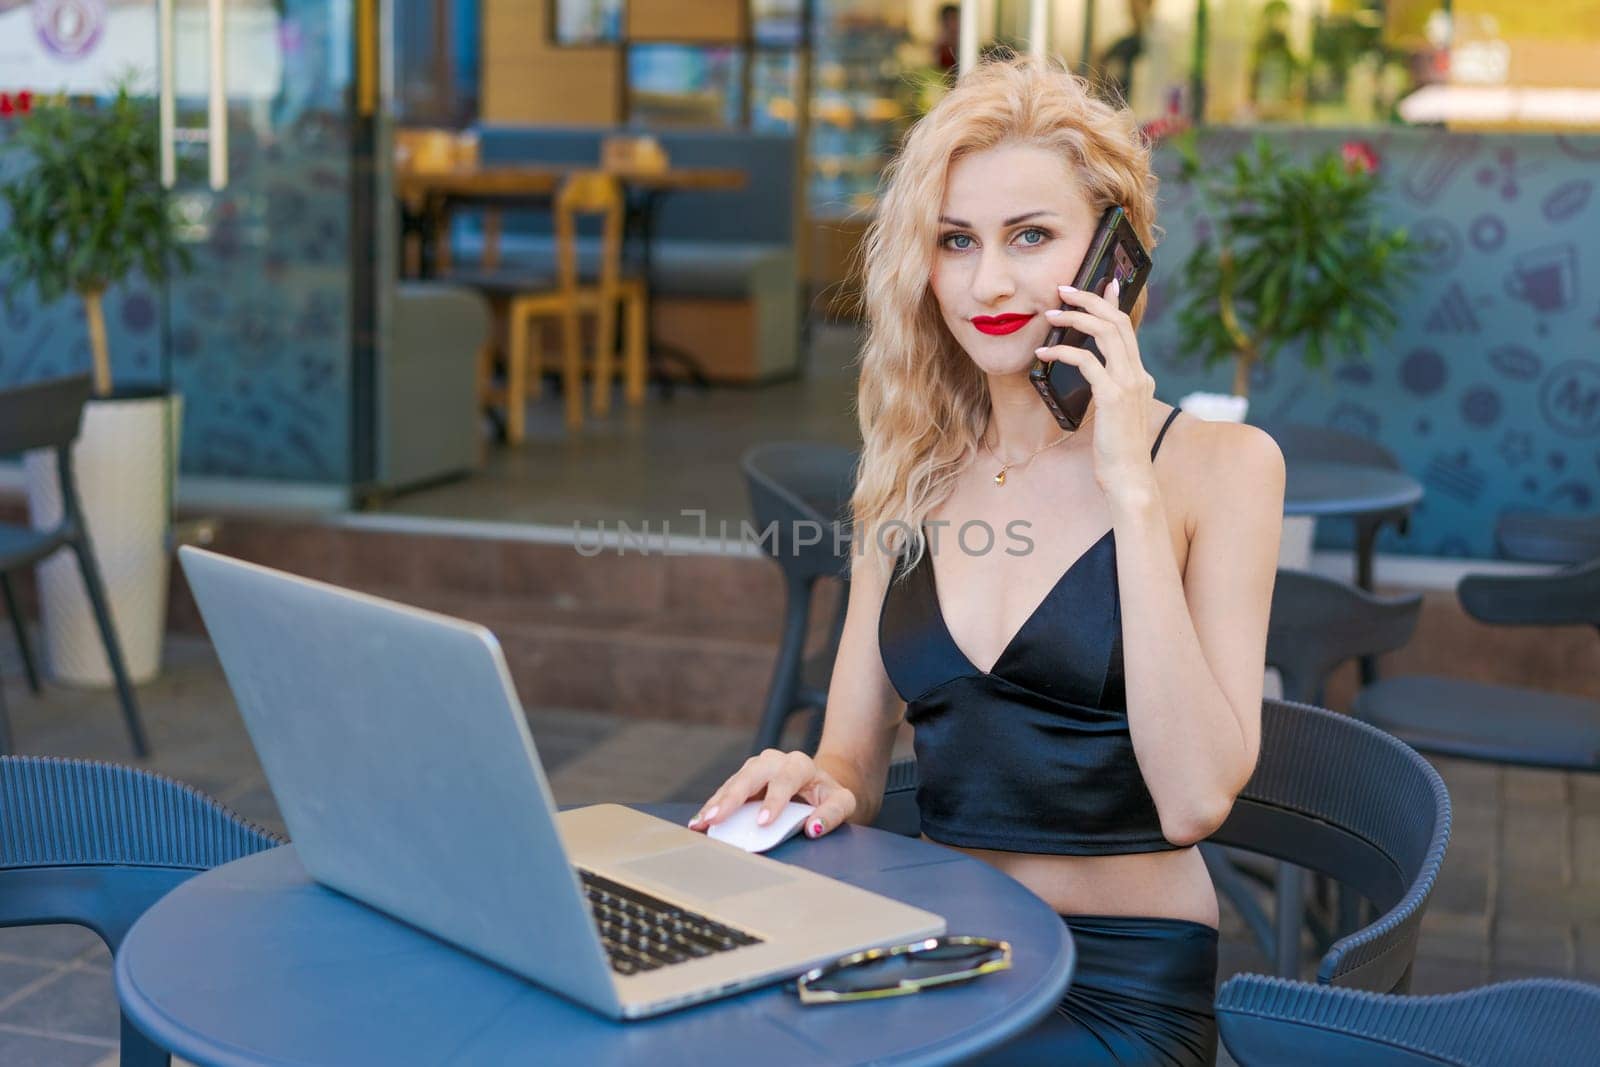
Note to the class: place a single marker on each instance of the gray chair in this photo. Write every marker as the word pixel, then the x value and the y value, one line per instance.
pixel 95 845
pixel 1335 796
pixel 48 415
pixel 1306 443
pixel 1316 624
pixel 1270 1021
pixel 800 491
pixel 1501 723
pixel 427 389
pixel 1538 538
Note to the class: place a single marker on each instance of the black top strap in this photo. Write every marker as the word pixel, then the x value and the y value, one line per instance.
pixel 1157 446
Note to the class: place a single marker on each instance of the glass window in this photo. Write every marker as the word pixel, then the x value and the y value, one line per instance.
pixel 684 85
pixel 775 22
pixel 587 21
pixel 773 82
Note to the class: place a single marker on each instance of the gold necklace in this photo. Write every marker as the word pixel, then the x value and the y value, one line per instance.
pixel 1000 476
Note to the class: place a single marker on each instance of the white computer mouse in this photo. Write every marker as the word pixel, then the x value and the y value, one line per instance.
pixel 740 829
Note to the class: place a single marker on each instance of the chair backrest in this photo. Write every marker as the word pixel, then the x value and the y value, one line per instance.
pixel 1325 444
pixel 589 193
pixel 1539 1020
pixel 434 150
pixel 1318 623
pixel 66 812
pixel 1568 597
pixel 1337 796
pixel 1539 538
pixel 800 492
pixel 95 845
pixel 44 414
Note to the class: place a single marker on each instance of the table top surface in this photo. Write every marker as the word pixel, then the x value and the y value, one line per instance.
pixel 255 963
pixel 1316 487
pixel 543 179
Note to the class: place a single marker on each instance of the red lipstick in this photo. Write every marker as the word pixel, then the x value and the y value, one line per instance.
pixel 1000 324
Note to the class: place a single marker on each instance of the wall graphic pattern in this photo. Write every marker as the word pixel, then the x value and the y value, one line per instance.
pixel 259 341
pixel 1489 390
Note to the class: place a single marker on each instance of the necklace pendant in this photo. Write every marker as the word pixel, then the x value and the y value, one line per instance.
pixel 1000 479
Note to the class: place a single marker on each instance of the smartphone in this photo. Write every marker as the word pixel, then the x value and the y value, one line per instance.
pixel 1114 254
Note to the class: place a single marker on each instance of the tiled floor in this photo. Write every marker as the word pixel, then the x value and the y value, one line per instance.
pixel 654 462
pixel 1520 894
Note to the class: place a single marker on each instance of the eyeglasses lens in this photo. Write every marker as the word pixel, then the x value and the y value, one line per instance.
pixel 889 971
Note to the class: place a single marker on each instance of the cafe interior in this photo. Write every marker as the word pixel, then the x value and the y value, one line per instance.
pixel 537 313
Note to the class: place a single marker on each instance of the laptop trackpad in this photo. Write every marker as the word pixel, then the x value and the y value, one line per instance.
pixel 705 872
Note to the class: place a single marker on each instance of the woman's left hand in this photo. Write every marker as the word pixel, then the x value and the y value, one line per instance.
pixel 1122 388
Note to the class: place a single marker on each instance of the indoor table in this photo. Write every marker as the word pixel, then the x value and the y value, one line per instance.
pixel 255 963
pixel 430 197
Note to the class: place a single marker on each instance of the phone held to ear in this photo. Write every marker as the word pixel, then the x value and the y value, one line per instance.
pixel 1114 253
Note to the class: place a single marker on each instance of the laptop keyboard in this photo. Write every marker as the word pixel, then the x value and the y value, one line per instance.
pixel 642 932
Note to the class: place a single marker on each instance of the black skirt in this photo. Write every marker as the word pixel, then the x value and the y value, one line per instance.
pixel 1143 993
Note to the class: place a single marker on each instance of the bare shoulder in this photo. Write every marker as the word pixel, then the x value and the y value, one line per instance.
pixel 1222 463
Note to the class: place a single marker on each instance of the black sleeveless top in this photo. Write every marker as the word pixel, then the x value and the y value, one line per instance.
pixel 1035 755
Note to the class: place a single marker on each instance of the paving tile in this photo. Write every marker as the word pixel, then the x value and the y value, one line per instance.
pixel 1536 848
pixel 38 1050
pixel 1588 963
pixel 79 1003
pixel 1536 789
pixel 1586 794
pixel 1438 974
pixel 49 944
pixel 1586 849
pixel 1532 944
pixel 643 762
pixel 17 975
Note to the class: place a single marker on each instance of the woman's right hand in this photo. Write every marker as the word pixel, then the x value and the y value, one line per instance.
pixel 778 777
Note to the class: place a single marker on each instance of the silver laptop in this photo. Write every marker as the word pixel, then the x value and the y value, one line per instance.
pixel 399 756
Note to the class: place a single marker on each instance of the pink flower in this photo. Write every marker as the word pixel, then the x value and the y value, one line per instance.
pixel 1359 157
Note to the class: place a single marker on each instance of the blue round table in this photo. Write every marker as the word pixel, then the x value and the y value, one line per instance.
pixel 255 963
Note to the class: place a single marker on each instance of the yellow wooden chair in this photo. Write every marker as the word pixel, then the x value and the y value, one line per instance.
pixel 584 193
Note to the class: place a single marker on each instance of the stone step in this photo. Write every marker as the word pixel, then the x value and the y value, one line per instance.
pixel 682 638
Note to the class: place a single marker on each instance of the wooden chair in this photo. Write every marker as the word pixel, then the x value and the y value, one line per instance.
pixel 585 193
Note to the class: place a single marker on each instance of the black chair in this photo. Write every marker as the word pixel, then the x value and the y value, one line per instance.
pixel 1271 1021
pixel 1335 796
pixel 1500 723
pixel 1316 624
pixel 95 845
pixel 48 415
pixel 800 492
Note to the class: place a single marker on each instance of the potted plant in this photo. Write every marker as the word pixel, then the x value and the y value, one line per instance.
pixel 1294 254
pixel 79 182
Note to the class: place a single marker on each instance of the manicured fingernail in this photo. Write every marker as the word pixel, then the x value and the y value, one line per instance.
pixel 764 817
pixel 816 827
pixel 1069 288
pixel 704 816
pixel 1040 351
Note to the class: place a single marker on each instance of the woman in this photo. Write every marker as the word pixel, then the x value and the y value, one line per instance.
pixel 1086 691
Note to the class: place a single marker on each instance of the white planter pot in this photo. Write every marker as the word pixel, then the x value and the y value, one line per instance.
pixel 122 469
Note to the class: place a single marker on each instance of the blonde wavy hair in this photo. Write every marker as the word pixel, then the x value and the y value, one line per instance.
pixel 922 404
